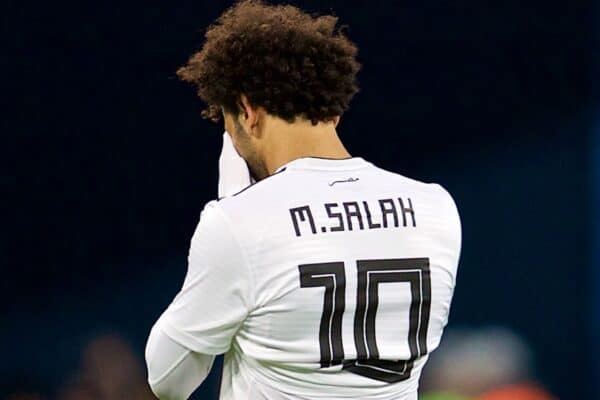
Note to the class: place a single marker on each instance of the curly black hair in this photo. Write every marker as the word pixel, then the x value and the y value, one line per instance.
pixel 288 62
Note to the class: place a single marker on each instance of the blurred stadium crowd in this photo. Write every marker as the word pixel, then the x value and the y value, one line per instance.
pixel 471 364
pixel 109 369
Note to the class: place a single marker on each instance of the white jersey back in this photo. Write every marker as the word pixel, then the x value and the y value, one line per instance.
pixel 331 279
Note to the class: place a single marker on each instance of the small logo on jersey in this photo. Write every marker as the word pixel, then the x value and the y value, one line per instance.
pixel 344 181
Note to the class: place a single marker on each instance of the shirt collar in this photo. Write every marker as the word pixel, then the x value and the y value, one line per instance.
pixel 327 164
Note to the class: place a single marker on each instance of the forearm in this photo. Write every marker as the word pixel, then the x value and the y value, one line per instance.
pixel 174 372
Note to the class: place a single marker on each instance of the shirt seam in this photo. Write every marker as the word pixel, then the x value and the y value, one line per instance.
pixel 304 163
pixel 188 341
pixel 307 168
pixel 363 165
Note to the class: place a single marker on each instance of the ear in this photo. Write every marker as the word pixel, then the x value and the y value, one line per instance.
pixel 251 115
pixel 336 121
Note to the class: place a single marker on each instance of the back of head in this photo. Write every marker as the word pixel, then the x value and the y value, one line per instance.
pixel 282 59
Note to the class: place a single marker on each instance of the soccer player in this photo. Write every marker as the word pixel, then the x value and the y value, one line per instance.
pixel 328 278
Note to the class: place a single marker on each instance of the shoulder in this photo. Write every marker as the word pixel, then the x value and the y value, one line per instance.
pixel 444 197
pixel 216 244
pixel 450 215
pixel 211 215
pixel 257 195
pixel 436 194
pixel 243 217
pixel 432 189
pixel 213 224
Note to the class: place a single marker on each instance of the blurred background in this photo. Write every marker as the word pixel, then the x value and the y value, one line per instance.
pixel 108 164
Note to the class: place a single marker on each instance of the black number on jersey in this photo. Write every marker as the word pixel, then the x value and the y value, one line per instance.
pixel 371 273
pixel 332 276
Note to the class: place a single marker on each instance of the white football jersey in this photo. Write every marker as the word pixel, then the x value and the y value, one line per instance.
pixel 331 279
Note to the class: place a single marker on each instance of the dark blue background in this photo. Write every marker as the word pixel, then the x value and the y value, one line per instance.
pixel 109 164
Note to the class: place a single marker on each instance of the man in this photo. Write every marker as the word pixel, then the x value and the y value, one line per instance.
pixel 329 278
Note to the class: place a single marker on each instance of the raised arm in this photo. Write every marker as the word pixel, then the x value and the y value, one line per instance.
pixel 205 315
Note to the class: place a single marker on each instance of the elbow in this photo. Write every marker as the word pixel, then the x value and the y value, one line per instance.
pixel 161 391
pixel 170 367
pixel 169 389
pixel 162 388
pixel 157 386
pixel 174 372
pixel 156 390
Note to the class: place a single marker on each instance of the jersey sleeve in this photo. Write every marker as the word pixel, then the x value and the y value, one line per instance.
pixel 234 174
pixel 174 372
pixel 217 294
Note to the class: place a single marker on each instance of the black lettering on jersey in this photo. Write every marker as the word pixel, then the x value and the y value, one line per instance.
pixel 352 210
pixel 302 213
pixel 348 216
pixel 338 216
pixel 370 223
pixel 388 207
pixel 408 210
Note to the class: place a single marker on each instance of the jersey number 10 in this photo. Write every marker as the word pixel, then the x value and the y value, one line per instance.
pixel 371 273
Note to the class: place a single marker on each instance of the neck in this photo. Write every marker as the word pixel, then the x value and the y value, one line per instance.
pixel 289 142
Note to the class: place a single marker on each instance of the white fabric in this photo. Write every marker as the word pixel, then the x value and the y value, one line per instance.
pixel 242 295
pixel 174 372
pixel 234 174
pixel 217 293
